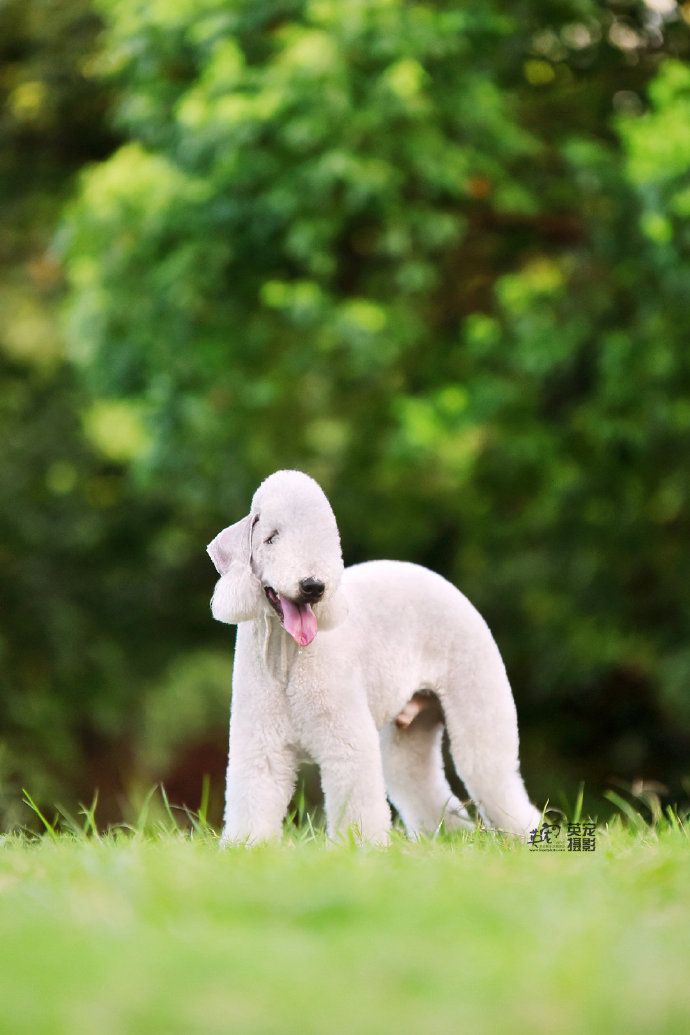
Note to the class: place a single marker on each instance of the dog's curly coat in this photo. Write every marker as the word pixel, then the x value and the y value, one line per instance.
pixel 340 666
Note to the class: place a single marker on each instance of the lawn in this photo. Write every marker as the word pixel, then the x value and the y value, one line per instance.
pixel 160 931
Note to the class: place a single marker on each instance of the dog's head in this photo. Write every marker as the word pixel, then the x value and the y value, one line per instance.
pixel 284 559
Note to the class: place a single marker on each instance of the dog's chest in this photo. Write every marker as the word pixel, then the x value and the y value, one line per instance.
pixel 293 671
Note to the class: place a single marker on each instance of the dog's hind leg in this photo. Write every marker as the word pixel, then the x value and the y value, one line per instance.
pixel 482 728
pixel 411 750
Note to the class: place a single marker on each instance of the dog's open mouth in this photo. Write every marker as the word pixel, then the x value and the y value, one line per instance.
pixel 297 616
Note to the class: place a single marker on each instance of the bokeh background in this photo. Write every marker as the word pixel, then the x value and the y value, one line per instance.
pixel 435 254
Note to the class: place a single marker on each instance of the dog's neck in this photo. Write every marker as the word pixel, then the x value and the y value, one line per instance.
pixel 276 647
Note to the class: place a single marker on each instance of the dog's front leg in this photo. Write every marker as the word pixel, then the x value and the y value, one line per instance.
pixel 257 796
pixel 352 781
pixel 262 765
pixel 260 782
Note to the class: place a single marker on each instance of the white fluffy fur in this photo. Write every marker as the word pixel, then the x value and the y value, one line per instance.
pixel 386 630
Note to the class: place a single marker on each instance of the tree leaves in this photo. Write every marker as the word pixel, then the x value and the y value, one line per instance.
pixel 436 257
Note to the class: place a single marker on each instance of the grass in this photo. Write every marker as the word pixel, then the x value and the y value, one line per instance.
pixel 156 930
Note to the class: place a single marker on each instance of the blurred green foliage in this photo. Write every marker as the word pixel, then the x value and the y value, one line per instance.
pixel 435 254
pixel 89 576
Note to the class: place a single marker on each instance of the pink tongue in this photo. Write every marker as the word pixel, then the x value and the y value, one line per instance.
pixel 299 620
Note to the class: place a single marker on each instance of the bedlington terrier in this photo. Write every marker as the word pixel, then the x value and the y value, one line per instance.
pixel 357 669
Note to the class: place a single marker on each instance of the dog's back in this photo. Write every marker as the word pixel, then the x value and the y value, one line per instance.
pixel 431 631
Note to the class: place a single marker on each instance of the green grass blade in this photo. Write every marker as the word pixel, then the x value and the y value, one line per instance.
pixel 50 828
pixel 577 811
pixel 89 814
pixel 637 821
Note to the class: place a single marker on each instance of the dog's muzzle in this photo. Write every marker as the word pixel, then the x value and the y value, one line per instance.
pixel 297 617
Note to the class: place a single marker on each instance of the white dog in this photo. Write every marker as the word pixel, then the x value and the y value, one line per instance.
pixel 357 670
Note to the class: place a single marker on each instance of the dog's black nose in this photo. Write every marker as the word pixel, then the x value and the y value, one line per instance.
pixel 312 589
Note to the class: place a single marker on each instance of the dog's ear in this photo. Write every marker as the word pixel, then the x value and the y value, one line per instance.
pixel 333 610
pixel 232 545
pixel 237 595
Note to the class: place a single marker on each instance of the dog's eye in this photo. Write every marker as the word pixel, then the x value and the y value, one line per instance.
pixel 271 539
